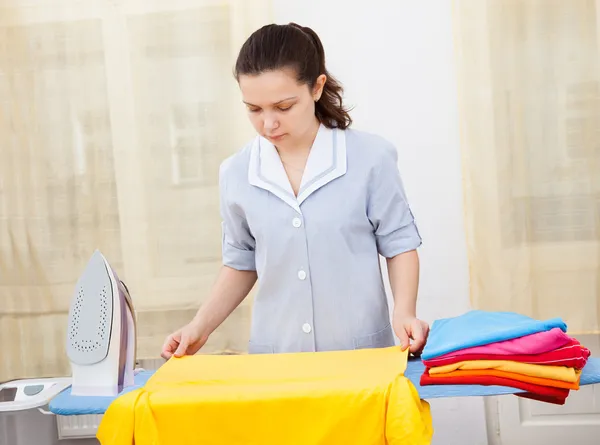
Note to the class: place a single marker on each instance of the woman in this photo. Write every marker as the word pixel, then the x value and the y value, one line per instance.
pixel 307 208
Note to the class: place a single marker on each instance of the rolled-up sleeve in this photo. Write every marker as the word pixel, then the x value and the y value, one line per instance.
pixel 388 210
pixel 238 244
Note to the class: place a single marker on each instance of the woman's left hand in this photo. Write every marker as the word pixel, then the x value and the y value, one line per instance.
pixel 411 328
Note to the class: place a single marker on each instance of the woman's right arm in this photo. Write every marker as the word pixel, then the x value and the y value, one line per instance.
pixel 233 283
pixel 229 290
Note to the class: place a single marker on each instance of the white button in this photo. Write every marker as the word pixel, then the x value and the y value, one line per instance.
pixel 302 275
pixel 297 222
pixel 306 328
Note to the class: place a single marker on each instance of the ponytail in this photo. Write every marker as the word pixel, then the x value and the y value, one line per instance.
pixel 275 47
pixel 329 107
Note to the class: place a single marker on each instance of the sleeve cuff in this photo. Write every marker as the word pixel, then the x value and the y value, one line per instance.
pixel 238 259
pixel 399 241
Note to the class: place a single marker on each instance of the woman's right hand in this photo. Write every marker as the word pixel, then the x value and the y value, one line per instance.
pixel 185 341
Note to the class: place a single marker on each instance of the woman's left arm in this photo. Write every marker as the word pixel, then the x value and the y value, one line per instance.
pixel 397 240
pixel 403 272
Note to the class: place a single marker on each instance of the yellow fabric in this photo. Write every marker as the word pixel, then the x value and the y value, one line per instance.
pixel 343 397
pixel 548 372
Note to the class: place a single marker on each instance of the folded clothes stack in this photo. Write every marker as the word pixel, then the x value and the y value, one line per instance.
pixel 505 349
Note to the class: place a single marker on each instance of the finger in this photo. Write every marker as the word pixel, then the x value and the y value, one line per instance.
pixel 182 348
pixel 403 337
pixel 418 337
pixel 425 330
pixel 169 346
pixel 170 343
pixel 166 350
pixel 417 346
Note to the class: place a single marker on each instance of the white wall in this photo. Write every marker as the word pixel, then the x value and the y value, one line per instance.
pixel 395 60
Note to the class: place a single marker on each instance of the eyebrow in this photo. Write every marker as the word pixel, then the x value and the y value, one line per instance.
pixel 276 103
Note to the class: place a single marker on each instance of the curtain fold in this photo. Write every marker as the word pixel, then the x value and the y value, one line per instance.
pixel 114 118
pixel 529 105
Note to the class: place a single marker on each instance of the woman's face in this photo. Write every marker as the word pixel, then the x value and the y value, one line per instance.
pixel 280 109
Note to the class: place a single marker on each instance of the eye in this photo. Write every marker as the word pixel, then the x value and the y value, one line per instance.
pixel 253 110
pixel 285 108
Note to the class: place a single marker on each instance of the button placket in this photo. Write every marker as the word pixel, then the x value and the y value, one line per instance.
pixel 302 274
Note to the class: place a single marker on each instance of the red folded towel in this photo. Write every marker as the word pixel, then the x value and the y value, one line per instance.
pixel 572 355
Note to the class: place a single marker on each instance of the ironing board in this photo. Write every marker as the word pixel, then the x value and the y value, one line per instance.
pixel 65 404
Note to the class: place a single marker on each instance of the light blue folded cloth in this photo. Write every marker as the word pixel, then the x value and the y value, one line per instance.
pixel 478 328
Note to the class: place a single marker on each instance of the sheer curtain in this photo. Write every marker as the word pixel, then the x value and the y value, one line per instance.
pixel 529 93
pixel 114 117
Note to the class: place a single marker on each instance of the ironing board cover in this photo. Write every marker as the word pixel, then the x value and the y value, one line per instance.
pixel 67 405
pixel 346 397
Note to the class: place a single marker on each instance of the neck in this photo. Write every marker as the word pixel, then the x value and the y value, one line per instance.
pixel 302 144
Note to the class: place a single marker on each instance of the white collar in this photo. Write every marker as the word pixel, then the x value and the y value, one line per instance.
pixel 326 162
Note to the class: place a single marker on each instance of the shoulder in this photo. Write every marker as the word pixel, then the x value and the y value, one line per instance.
pixel 370 149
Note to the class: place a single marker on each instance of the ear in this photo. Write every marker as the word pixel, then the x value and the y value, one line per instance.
pixel 319 85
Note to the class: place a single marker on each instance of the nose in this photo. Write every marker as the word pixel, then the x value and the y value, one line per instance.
pixel 270 122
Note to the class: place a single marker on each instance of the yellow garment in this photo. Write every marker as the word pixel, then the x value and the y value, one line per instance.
pixel 342 397
pixel 548 372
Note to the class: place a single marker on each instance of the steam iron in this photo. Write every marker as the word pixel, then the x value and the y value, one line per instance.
pixel 101 335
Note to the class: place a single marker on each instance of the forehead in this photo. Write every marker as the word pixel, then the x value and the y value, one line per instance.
pixel 270 87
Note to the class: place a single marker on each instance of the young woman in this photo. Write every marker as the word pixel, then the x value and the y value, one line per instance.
pixel 308 206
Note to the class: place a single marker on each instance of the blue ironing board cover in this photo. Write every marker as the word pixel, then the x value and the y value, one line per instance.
pixel 67 405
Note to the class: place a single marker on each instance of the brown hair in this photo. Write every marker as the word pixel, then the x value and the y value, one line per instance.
pixel 274 47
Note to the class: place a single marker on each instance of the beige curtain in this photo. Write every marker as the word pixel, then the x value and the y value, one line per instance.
pixel 114 117
pixel 529 94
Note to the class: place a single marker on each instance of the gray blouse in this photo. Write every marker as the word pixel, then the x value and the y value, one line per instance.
pixel 320 285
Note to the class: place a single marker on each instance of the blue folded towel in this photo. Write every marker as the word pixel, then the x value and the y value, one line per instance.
pixel 478 328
